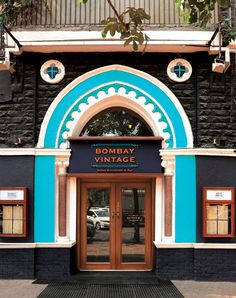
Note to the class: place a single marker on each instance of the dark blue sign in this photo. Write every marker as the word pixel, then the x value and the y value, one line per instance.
pixel 137 155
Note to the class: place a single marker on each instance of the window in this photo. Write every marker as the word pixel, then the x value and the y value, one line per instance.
pixel 116 122
pixel 13 207
pixel 218 212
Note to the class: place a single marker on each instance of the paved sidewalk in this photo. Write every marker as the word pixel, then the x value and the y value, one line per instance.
pixel 189 289
pixel 203 289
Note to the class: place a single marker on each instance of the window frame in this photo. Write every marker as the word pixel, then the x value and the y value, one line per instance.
pixel 23 202
pixel 207 202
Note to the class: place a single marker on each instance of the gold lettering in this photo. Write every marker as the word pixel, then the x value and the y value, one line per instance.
pixel 131 150
pixel 119 159
pixel 119 151
pixel 132 159
pixel 97 159
pixel 126 159
pixel 98 150
pixel 104 150
pixel 107 159
pixel 112 151
pixel 126 151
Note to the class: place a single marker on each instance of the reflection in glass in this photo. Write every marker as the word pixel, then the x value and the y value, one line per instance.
pixel 133 225
pixel 218 219
pixel 98 224
pixel 116 122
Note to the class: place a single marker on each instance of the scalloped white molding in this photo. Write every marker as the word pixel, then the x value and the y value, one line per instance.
pixel 136 72
pixel 114 99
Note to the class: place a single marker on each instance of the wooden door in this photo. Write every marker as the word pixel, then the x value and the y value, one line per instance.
pixel 116 226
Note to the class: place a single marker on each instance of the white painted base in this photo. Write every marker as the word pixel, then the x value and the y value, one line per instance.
pixel 63 239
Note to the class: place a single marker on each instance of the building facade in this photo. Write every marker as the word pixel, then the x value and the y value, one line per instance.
pixel 114 159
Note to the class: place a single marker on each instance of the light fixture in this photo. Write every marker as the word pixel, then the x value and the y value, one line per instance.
pixel 5 63
pixel 221 65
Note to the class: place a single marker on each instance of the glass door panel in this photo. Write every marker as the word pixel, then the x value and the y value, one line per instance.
pixel 115 226
pixel 98 225
pixel 133 225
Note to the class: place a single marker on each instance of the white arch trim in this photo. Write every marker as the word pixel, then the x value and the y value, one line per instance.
pixel 126 69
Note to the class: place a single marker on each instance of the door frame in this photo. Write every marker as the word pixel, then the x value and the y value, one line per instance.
pixel 110 182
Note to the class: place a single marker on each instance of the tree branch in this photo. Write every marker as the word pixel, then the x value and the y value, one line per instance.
pixel 116 12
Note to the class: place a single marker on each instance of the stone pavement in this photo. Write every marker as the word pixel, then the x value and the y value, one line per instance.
pixel 189 289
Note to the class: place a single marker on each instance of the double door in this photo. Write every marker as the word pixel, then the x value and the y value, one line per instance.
pixel 116 226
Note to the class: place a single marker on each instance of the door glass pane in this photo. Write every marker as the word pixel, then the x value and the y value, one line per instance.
pixel 98 225
pixel 133 225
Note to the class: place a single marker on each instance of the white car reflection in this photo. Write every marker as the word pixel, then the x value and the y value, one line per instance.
pixel 100 218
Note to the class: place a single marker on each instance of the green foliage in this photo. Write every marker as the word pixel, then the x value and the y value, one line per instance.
pixel 129 25
pixel 200 11
pixel 228 32
pixel 82 1
pixel 10 10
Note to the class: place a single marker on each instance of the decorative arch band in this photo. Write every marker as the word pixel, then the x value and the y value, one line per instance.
pixel 90 89
pixel 107 91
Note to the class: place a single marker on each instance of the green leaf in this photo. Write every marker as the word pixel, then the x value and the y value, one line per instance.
pixel 104 34
pixel 82 1
pixel 128 41
pixel 135 45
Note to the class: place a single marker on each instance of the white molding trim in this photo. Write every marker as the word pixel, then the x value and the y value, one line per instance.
pixel 196 245
pixel 67 244
pixel 71 208
pixel 172 245
pixel 159 210
pixel 17 151
pixel 33 151
pixel 129 101
pixel 198 151
pixel 144 75
pixel 67 41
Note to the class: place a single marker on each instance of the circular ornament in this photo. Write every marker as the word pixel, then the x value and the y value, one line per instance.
pixel 179 70
pixel 52 71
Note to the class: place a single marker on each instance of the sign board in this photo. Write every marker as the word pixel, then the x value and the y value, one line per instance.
pixel 219 195
pixel 11 195
pixel 115 155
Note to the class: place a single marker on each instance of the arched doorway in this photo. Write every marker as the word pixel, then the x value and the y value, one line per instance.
pixel 115 213
pixel 71 115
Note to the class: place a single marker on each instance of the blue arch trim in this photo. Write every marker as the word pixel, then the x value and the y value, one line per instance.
pixel 104 79
pixel 105 89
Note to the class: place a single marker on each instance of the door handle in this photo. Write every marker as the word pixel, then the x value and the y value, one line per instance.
pixel 113 215
pixel 118 214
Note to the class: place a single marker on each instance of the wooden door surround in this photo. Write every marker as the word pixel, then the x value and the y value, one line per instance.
pixel 114 247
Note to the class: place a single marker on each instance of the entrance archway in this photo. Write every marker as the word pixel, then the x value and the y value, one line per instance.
pixel 111 86
pixel 96 91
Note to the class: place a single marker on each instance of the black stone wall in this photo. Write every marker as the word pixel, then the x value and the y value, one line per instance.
pixel 215 264
pixel 206 97
pixel 18 171
pixel 175 263
pixel 17 263
pixel 55 262
pixel 32 263
pixel 213 171
pixel 198 264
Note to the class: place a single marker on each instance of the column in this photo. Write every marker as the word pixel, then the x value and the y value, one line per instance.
pixel 62 202
pixel 168 163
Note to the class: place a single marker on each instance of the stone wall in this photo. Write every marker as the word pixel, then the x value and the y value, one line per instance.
pixel 206 97
pixel 198 264
pixel 33 263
